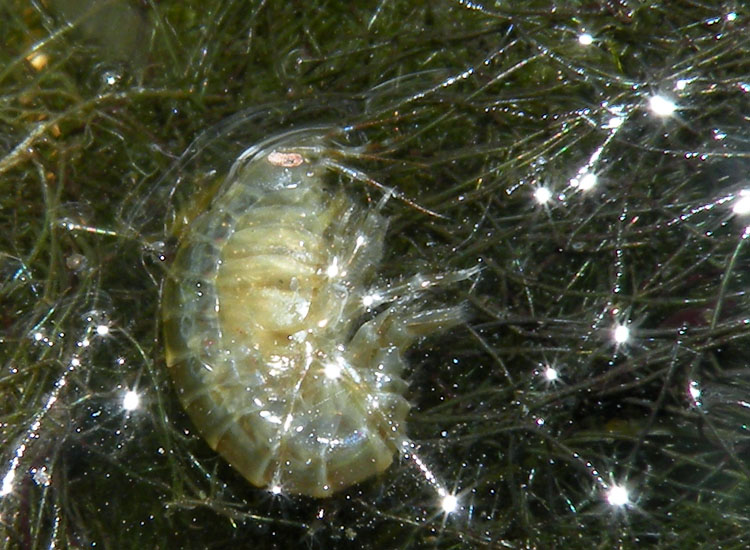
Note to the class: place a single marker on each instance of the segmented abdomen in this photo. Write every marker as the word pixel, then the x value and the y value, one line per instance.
pixel 263 320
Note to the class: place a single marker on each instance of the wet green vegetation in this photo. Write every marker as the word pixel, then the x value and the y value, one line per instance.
pixel 599 395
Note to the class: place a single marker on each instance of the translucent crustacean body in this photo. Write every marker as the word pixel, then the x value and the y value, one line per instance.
pixel 284 357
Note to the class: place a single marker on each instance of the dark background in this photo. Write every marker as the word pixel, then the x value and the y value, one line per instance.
pixel 466 108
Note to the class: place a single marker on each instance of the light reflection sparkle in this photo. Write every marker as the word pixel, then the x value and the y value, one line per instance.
pixel 618 496
pixel 449 503
pixel 584 181
pixel 621 334
pixel 551 374
pixel 661 105
pixel 741 204
pixel 542 195
pixel 131 400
